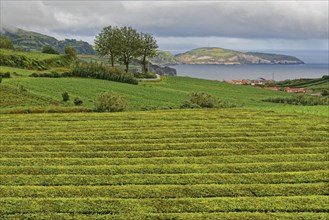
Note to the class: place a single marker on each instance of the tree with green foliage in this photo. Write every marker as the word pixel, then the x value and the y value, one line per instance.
pixel 49 50
pixel 148 49
pixel 107 43
pixel 130 45
pixel 6 43
pixel 71 52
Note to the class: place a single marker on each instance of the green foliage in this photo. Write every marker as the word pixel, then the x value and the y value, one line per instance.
pixel 52 74
pixel 148 49
pixel 49 50
pixel 125 44
pixel 6 43
pixel 77 101
pixel 100 71
pixel 130 45
pixel 71 52
pixel 5 74
pixel 205 100
pixel 325 92
pixel 65 96
pixel 108 43
pixel 300 100
pixel 145 75
pixel 110 102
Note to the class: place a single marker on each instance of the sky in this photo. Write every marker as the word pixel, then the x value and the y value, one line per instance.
pixel 179 26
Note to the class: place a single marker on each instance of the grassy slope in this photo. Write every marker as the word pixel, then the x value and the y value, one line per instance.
pixel 32 41
pixel 178 164
pixel 168 93
pixel 31 55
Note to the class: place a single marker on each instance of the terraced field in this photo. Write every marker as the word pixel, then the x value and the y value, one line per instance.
pixel 178 164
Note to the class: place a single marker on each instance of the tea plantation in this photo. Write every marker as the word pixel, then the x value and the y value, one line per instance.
pixel 177 164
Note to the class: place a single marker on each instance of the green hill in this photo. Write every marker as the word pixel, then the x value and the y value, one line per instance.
pixel 34 42
pixel 215 55
pixel 33 61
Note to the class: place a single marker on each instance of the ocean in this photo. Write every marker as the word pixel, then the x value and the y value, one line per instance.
pixel 316 65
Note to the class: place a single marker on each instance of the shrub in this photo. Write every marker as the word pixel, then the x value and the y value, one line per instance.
pixel 300 100
pixel 65 96
pixel 110 102
pixel 49 49
pixel 0 79
pixel 71 52
pixel 77 101
pixel 204 100
pixel 145 75
pixel 325 92
pixel 100 71
pixel 6 43
pixel 5 75
pixel 21 89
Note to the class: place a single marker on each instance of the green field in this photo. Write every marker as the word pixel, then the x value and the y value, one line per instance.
pixel 175 164
pixel 169 93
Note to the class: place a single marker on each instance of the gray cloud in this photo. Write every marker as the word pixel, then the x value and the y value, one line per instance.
pixel 180 24
pixel 253 19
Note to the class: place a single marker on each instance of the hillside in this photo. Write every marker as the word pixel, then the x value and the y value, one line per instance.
pixel 177 164
pixel 214 55
pixel 316 84
pixel 32 60
pixel 34 42
pixel 22 93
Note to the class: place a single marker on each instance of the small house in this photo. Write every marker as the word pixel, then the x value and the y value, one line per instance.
pixel 240 82
pixel 295 90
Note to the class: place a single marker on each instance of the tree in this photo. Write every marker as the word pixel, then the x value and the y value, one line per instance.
pixel 130 45
pixel 108 43
pixel 71 52
pixel 6 43
pixel 148 49
pixel 49 49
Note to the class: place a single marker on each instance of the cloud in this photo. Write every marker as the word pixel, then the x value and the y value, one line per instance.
pixel 253 19
pixel 181 25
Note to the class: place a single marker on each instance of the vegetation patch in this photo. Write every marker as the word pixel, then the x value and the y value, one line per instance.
pixel 177 164
pixel 300 100
pixel 37 61
pixel 205 100
pixel 100 71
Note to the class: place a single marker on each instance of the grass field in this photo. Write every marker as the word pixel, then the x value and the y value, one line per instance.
pixel 169 93
pixel 177 164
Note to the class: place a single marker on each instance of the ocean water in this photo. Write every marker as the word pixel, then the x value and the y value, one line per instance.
pixel 229 72
pixel 316 65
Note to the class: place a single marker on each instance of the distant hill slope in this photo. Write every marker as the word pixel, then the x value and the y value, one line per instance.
pixel 32 61
pixel 215 55
pixel 34 42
